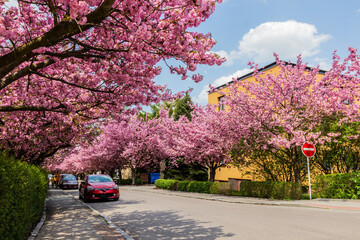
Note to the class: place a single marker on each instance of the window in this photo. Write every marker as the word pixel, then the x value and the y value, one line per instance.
pixel 221 103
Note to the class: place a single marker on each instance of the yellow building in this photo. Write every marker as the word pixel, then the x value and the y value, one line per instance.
pixel 230 172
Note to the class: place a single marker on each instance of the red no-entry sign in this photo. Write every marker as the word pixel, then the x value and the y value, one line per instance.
pixel 308 150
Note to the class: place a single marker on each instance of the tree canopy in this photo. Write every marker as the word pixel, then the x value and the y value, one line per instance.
pixel 65 64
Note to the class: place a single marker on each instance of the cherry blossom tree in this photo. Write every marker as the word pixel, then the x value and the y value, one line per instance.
pixel 277 113
pixel 203 139
pixel 77 61
pixel 131 143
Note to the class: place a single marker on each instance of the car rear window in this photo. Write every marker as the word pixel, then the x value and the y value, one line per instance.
pixel 69 178
pixel 94 179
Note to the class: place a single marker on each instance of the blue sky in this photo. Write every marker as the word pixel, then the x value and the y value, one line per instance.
pixel 252 30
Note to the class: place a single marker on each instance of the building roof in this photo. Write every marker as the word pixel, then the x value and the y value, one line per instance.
pixel 271 65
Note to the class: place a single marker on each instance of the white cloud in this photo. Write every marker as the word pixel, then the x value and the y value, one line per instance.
pixel 324 63
pixel 288 39
pixel 230 57
pixel 202 98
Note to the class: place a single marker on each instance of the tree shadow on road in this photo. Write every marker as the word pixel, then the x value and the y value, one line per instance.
pixel 165 225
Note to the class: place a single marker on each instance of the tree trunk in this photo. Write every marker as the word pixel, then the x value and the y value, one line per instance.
pixel 212 170
pixel 133 176
pixel 162 169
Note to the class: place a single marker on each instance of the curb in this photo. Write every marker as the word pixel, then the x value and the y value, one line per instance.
pixel 107 220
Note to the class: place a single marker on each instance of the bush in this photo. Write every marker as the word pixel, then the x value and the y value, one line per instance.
pixel 222 188
pixel 340 185
pixel 166 184
pixel 194 186
pixel 200 187
pixel 23 191
pixel 127 181
pixel 275 190
pixel 182 186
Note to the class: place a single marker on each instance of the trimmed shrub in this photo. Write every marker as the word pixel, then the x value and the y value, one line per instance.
pixel 222 188
pixel 199 187
pixel 127 181
pixel 23 191
pixel 275 190
pixel 166 184
pixel 340 185
pixel 182 186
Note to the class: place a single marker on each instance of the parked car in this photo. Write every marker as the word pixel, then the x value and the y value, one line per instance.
pixel 98 186
pixel 68 181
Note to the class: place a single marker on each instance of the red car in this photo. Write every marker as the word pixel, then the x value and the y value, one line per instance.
pixel 98 186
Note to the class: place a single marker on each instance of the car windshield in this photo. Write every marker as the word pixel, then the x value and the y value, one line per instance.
pixel 95 179
pixel 69 178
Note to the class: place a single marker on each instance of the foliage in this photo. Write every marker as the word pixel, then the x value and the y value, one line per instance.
pixel 190 172
pixel 222 188
pixel 275 190
pixel 271 165
pixel 183 107
pixel 343 154
pixel 340 185
pixel 182 186
pixel 166 184
pixel 199 187
pixel 23 191
pixel 127 181
pixel 155 110
pixel 267 189
pixel 194 186
pixel 67 64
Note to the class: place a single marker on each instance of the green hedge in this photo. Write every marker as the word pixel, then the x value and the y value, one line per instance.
pixel 275 190
pixel 340 185
pixel 194 186
pixel 127 181
pixel 166 184
pixel 23 189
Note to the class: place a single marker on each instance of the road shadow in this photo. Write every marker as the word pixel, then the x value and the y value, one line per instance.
pixel 165 225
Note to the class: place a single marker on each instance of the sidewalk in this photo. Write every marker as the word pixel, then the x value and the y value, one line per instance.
pixel 339 204
pixel 67 218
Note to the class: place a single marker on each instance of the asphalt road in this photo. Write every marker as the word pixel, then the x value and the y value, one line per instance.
pixel 148 215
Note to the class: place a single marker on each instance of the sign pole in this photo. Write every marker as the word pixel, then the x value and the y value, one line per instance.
pixel 309 151
pixel 308 167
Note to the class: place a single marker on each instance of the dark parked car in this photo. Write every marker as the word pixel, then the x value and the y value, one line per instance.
pixel 68 181
pixel 98 186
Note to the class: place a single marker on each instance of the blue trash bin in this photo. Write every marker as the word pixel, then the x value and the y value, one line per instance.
pixel 154 176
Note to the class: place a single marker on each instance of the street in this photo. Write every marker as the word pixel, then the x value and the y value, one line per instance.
pixel 154 215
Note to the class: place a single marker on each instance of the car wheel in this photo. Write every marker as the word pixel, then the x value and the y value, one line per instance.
pixel 80 197
pixel 86 199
